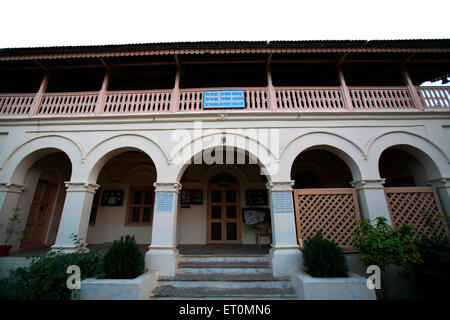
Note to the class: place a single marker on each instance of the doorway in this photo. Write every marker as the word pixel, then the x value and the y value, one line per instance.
pixel 224 211
pixel 39 215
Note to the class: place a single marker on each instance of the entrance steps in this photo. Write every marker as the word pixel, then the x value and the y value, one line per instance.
pixel 223 277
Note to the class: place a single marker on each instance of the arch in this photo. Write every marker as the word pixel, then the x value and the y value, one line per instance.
pixel 99 155
pixel 266 170
pixel 432 158
pixel 22 158
pixel 212 171
pixel 349 152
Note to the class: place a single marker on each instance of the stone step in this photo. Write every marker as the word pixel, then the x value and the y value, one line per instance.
pixel 170 292
pixel 218 258
pixel 223 264
pixel 224 281
pixel 224 277
pixel 227 270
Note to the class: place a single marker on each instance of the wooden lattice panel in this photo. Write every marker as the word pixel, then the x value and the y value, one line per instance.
pixel 415 206
pixel 335 212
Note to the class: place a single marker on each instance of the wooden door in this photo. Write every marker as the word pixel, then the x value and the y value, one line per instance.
pixel 39 215
pixel 224 213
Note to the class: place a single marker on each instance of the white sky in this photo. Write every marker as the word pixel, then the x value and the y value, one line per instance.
pixel 87 22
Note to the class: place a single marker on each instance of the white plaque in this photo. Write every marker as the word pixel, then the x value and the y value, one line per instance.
pixel 164 202
pixel 282 202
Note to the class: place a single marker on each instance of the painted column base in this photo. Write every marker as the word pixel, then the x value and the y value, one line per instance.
pixel 285 260
pixel 163 260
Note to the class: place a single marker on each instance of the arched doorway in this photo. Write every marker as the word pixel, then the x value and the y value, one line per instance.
pixel 213 199
pixel 41 203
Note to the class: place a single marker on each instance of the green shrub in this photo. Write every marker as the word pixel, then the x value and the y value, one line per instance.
pixel 124 260
pixel 45 278
pixel 433 275
pixel 323 258
pixel 382 245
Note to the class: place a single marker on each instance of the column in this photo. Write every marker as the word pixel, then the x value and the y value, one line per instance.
pixel 163 253
pixel 412 89
pixel 75 215
pixel 345 91
pixel 9 200
pixel 271 89
pixel 372 200
pixel 442 186
pixel 286 258
pixel 39 95
pixel 102 93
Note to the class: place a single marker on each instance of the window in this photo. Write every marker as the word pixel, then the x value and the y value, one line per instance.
pixel 140 206
pixel 94 208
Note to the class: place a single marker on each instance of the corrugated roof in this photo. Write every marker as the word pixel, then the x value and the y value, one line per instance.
pixel 224 47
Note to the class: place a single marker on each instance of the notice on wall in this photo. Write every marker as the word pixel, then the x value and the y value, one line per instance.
pixel 282 202
pixel 164 202
pixel 218 99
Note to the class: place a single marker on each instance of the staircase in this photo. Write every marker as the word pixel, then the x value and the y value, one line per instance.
pixel 223 277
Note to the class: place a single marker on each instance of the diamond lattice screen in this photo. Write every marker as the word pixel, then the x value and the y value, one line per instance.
pixel 416 206
pixel 335 212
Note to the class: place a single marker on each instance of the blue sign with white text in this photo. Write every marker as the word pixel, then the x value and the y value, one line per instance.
pixel 218 99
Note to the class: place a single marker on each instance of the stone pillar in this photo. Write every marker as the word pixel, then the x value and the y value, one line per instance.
pixel 75 215
pixel 163 253
pixel 372 200
pixel 285 255
pixel 9 200
pixel 442 186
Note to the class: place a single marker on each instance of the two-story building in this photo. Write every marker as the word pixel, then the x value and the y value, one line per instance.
pixel 191 143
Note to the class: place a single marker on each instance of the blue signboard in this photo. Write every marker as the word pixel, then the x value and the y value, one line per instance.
pixel 218 99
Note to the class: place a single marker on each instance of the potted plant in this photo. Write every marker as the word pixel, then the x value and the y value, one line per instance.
pixel 325 274
pixel 382 245
pixel 13 223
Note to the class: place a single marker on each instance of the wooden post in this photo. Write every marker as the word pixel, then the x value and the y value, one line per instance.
pixel 39 95
pixel 347 97
pixel 102 93
pixel 270 88
pixel 176 91
pixel 412 90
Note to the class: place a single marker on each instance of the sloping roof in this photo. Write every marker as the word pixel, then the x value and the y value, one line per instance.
pixel 226 47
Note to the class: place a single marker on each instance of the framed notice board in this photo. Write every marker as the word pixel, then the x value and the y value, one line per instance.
pixel 112 197
pixel 256 197
pixel 191 197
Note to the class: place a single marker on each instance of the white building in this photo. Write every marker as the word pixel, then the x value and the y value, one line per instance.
pixel 101 141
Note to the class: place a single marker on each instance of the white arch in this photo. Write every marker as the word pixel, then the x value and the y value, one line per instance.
pixel 180 169
pixel 342 147
pixel 433 159
pixel 22 158
pixel 109 148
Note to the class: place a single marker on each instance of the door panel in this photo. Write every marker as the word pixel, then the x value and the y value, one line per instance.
pixel 39 215
pixel 223 217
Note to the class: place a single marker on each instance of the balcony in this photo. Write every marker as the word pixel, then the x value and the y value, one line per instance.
pixel 256 98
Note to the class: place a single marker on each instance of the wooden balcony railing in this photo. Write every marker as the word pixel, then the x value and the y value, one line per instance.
pixel 256 99
pixel 68 103
pixel 16 104
pixel 310 98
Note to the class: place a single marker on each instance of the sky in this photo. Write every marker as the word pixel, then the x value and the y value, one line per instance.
pixel 37 23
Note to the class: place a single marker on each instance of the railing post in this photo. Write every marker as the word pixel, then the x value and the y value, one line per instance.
pixel 39 95
pixel 174 100
pixel 271 90
pixel 345 91
pixel 102 93
pixel 412 90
